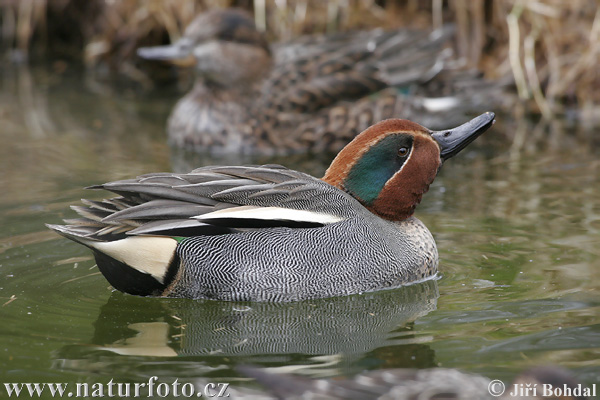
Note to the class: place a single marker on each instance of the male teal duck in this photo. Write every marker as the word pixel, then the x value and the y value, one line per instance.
pixel 312 94
pixel 268 233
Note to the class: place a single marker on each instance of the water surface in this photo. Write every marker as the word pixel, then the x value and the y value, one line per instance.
pixel 516 218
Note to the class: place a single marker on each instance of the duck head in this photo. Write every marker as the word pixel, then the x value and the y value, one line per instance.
pixel 391 164
pixel 224 44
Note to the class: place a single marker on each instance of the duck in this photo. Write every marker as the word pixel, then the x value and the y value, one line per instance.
pixel 312 94
pixel 269 233
pixel 536 383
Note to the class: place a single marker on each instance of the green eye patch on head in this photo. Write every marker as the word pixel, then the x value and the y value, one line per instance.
pixel 376 166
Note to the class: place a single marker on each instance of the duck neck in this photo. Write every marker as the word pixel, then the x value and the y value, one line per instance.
pixel 214 88
pixel 213 95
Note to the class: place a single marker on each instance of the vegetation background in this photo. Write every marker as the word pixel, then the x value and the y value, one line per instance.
pixel 549 48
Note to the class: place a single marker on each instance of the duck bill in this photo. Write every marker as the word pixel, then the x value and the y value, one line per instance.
pixel 452 141
pixel 175 54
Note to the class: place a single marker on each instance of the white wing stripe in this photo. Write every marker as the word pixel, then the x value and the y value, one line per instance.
pixel 271 214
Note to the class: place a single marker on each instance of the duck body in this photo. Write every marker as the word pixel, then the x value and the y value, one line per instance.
pixel 268 233
pixel 292 263
pixel 309 253
pixel 288 264
pixel 312 94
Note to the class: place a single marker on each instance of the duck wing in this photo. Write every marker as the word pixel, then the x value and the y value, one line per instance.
pixel 309 76
pixel 209 201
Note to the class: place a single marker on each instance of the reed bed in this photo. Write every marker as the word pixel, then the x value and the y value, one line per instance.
pixel 550 49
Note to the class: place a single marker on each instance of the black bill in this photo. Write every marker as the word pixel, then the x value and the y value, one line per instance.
pixel 452 141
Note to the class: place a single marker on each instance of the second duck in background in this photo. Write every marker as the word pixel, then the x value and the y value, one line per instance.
pixel 312 94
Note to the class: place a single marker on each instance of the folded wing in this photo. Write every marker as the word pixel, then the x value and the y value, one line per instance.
pixel 209 201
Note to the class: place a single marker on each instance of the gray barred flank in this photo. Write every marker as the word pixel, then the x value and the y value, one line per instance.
pixel 284 264
pixel 343 251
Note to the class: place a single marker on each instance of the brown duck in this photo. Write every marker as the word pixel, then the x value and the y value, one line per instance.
pixel 312 94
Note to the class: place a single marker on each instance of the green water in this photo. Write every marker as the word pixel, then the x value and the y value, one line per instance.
pixel 516 218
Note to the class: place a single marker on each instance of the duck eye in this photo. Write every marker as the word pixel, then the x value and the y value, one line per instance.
pixel 403 151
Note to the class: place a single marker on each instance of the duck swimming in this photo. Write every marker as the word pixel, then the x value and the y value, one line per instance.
pixel 268 233
pixel 312 94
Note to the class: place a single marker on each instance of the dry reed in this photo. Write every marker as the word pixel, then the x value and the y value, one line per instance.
pixel 550 48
